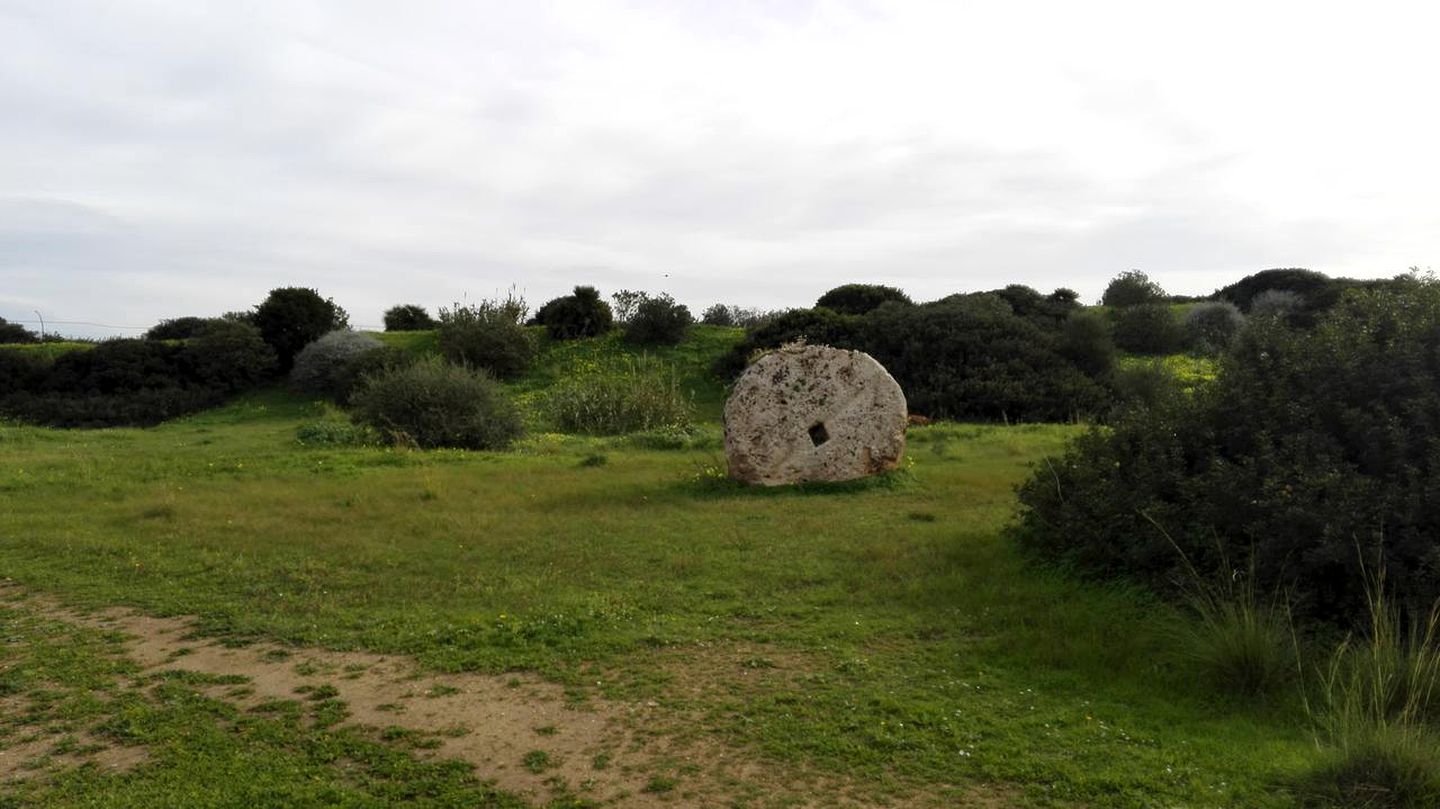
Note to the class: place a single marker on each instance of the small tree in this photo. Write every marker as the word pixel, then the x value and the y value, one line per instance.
pixel 1085 340
pixel 718 315
pixel 658 321
pixel 1132 288
pixel 292 317
pixel 408 317
pixel 858 299
pixel 582 314
pixel 624 303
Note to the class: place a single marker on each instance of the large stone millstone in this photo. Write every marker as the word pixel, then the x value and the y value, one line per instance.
pixel 812 413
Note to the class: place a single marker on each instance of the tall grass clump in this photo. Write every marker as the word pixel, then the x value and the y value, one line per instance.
pixel 435 404
pixel 638 394
pixel 1377 711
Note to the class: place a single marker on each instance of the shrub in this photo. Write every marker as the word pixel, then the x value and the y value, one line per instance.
pixel 1305 445
pixel 1047 310
pixel 817 326
pixel 12 333
pixel 639 395
pixel 408 317
pixel 1306 284
pixel 658 320
pixel 21 371
pixel 335 434
pixel 718 315
pixel 291 318
pixel 227 356
pixel 138 408
pixel 581 314
pixel 1086 341
pixel 858 299
pixel 352 376
pixel 1132 288
pixel 437 404
pixel 971 356
pixel 1148 328
pixel 488 335
pixel 1210 327
pixel 1276 303
pixel 179 328
pixel 319 366
pixel 624 303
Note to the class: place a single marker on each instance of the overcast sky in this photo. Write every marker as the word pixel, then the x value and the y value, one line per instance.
pixel 160 159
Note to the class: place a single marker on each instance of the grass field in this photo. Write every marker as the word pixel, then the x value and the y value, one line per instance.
pixel 884 634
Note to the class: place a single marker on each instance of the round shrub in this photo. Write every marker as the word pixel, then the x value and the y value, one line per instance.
pixel 489 335
pixel 1210 327
pixel 1148 328
pixel 582 314
pixel 319 366
pixel 408 317
pixel 857 299
pixel 1132 288
pixel 354 374
pixel 1276 303
pixel 291 318
pixel 436 404
pixel 1086 340
pixel 658 320
pixel 16 333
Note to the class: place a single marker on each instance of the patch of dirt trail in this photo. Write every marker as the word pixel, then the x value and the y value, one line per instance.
pixel 617 753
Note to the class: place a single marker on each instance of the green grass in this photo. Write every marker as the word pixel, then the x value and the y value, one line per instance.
pixel 565 359
pixel 49 350
pixel 928 654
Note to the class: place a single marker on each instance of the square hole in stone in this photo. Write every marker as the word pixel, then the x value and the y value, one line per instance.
pixel 818 434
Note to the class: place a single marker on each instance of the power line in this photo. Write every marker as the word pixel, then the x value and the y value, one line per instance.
pixel 82 323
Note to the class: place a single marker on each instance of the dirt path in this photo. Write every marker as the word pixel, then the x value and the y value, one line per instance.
pixel 516 729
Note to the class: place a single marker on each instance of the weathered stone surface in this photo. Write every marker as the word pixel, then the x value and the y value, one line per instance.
pixel 812 413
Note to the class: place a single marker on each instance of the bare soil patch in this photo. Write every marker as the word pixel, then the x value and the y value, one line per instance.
pixel 518 730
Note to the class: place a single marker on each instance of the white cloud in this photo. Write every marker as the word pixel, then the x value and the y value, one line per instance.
pixel 168 158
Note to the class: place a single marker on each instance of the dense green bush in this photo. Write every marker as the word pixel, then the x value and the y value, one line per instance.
pixel 658 320
pixel 179 328
pixel 1308 285
pixel 1276 303
pixel 1132 288
pixel 436 404
pixel 352 376
pixel 581 314
pixel 11 333
pixel 21 371
pixel 973 357
pixel 408 317
pixel 1210 328
pixel 291 318
pixel 816 326
pixel 139 408
pixel 718 315
pixel 1147 328
pixel 320 367
pixel 489 335
pixel 1086 340
pixel 641 394
pixel 1309 449
pixel 1046 310
pixel 226 356
pixel 858 299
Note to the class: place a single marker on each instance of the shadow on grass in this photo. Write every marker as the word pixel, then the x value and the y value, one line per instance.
pixel 712 482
